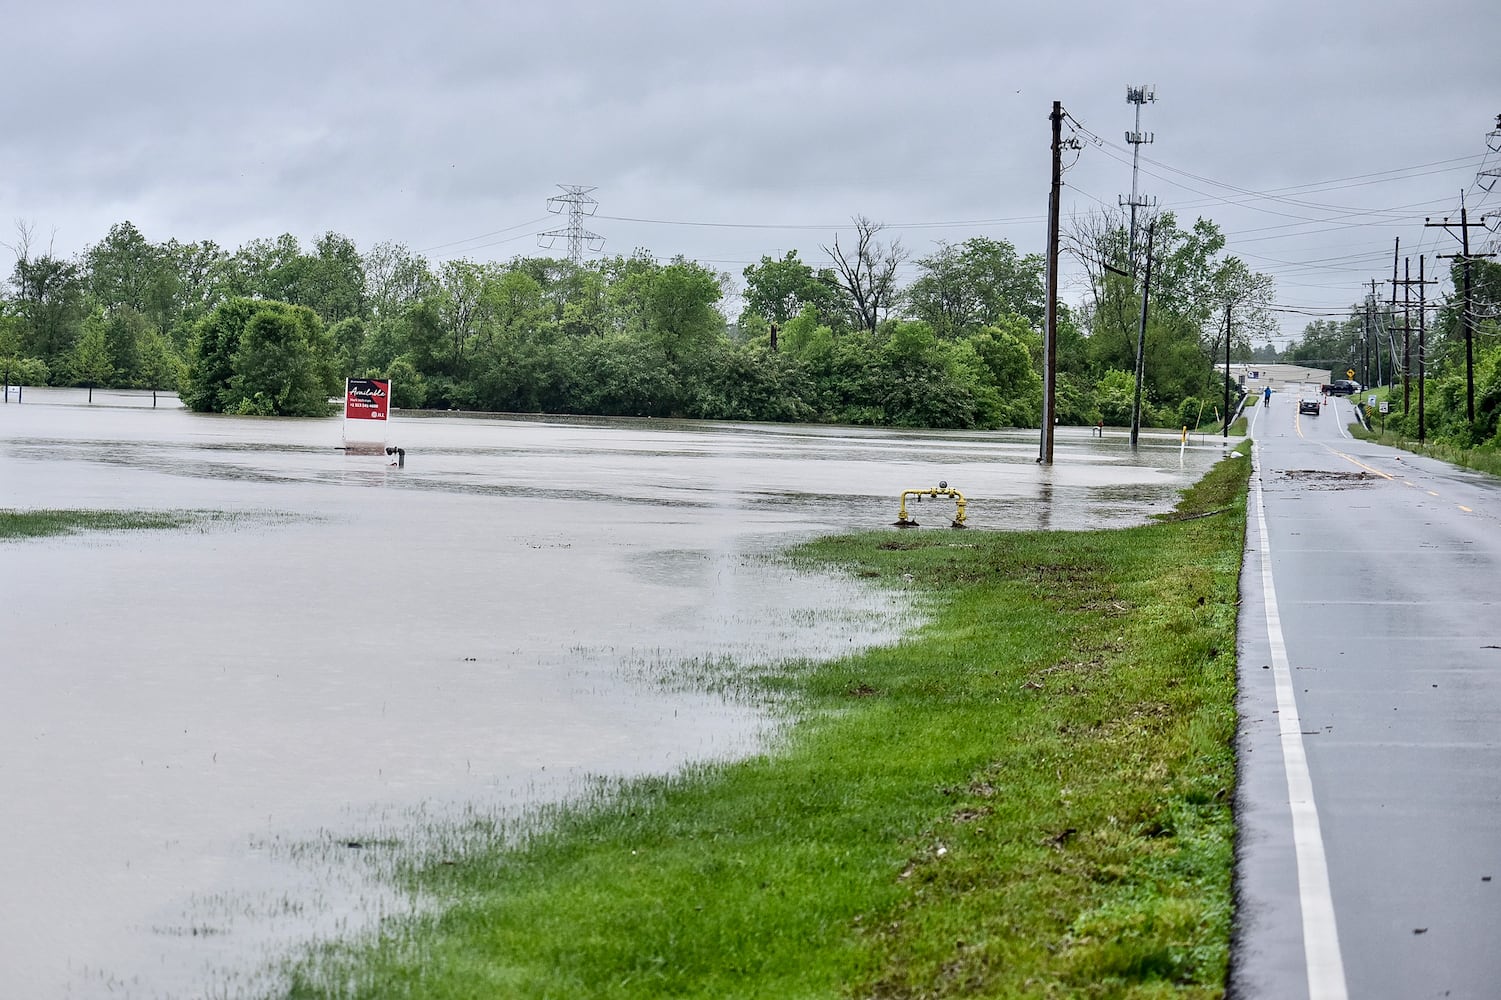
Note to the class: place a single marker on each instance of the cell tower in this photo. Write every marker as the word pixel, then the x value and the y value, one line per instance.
pixel 1137 96
pixel 576 197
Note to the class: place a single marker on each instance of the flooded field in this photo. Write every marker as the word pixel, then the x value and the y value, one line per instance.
pixel 208 735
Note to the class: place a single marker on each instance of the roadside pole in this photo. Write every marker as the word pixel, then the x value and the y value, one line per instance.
pixel 1050 334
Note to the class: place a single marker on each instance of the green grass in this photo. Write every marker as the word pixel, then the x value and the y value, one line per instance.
pixel 1028 797
pixel 1484 459
pixel 18 524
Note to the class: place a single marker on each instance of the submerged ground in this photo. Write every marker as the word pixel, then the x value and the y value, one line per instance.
pixel 318 650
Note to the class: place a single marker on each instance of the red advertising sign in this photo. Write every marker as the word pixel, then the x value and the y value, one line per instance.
pixel 367 399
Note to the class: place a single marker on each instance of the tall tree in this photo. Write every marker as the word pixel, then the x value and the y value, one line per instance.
pixel 975 284
pixel 395 278
pixel 680 314
pixel 283 365
pixel 122 271
pixel 778 290
pixel 48 301
pixel 211 355
pixel 332 279
pixel 89 363
pixel 868 272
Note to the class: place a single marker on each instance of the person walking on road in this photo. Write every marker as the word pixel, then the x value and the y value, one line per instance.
pixel 1266 395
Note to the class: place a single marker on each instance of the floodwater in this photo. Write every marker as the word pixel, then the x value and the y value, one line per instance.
pixel 205 732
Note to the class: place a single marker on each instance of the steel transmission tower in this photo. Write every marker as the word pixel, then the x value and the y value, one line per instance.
pixel 576 197
pixel 1137 96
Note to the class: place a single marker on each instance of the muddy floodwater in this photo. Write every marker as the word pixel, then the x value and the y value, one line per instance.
pixel 205 731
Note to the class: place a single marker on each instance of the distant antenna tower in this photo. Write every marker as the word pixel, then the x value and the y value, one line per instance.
pixel 1137 96
pixel 576 197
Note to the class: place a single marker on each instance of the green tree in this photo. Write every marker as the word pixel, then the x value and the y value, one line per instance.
pixel 1115 395
pixel 679 310
pixel 331 281
pixel 348 337
pixel 964 287
pixel 283 365
pixel 49 303
pixel 779 290
pixel 1192 283
pixel 123 271
pixel 1008 365
pixel 160 366
pixel 211 355
pixel 90 363
pixel 267 269
pixel 198 276
pixel 123 332
pixel 395 279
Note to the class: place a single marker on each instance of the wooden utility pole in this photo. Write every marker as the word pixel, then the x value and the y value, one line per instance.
pixel 1366 344
pixel 1228 307
pixel 1422 358
pixel 1141 340
pixel 1466 319
pixel 1406 345
pixel 1407 282
pixel 1050 332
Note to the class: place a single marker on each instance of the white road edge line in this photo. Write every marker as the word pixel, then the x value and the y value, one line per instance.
pixel 1326 968
pixel 1337 421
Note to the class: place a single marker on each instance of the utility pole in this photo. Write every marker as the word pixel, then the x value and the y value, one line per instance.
pixel 1422 358
pixel 1406 346
pixel 580 205
pixel 1137 96
pixel 1226 430
pixel 1407 332
pixel 1466 318
pixel 1050 333
pixel 1365 343
pixel 1141 340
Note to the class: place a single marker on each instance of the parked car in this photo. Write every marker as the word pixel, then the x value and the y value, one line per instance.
pixel 1343 387
pixel 1308 406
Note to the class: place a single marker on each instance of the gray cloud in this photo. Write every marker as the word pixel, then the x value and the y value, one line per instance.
pixel 433 123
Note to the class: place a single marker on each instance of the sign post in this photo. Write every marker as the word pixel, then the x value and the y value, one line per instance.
pixel 367 408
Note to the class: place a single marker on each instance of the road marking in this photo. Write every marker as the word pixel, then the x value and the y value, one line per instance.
pixel 1343 432
pixel 1432 494
pixel 1464 508
pixel 1321 954
pixel 1358 462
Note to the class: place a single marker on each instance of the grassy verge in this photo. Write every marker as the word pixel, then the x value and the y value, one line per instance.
pixel 41 523
pixel 1030 796
pixel 1487 460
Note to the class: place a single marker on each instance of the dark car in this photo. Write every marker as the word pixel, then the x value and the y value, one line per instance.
pixel 1308 406
pixel 1343 387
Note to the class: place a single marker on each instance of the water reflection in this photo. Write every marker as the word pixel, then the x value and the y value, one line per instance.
pixel 361 648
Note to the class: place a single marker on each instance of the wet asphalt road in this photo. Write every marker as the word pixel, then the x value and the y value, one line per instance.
pixel 1384 881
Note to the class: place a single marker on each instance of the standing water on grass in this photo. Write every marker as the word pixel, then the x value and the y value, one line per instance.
pixel 212 736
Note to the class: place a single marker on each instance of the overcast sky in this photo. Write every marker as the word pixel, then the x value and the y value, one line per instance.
pixel 1313 133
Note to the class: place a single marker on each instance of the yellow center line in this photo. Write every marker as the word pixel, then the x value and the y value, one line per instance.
pixel 1358 462
pixel 1432 494
pixel 1464 508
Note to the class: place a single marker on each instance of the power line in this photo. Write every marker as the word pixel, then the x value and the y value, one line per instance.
pixel 481 236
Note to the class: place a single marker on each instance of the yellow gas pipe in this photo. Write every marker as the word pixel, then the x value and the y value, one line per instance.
pixel 941 490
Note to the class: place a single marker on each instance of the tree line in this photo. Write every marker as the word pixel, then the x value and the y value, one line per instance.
pixel 1370 342
pixel 273 327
